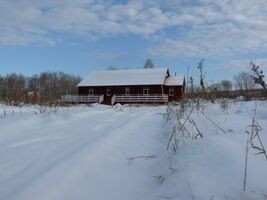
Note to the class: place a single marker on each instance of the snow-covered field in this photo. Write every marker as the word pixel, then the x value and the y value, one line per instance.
pixel 119 153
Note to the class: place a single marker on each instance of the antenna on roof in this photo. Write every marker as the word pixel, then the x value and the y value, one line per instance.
pixel 175 73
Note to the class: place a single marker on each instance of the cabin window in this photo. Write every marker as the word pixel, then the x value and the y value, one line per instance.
pixel 127 91
pixel 91 92
pixel 146 91
pixel 108 92
pixel 117 90
pixel 171 91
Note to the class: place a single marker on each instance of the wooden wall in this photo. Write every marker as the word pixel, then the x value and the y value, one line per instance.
pixel 153 89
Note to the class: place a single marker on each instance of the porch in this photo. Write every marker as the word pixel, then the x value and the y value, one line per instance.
pixel 82 98
pixel 139 98
pixel 116 98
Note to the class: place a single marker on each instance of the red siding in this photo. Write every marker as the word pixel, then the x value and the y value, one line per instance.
pixel 153 89
pixel 178 92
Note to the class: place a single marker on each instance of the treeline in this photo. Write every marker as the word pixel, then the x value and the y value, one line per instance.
pixel 241 83
pixel 249 84
pixel 47 86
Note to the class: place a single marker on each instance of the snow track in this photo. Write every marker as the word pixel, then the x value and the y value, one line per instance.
pixel 77 155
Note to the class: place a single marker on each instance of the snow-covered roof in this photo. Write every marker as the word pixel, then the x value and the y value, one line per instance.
pixel 155 76
pixel 174 81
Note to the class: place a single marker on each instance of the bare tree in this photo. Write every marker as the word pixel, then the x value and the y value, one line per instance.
pixel 226 85
pixel 2 90
pixel 244 81
pixel 48 85
pixel 14 87
pixel 215 87
pixel 51 85
pixel 149 64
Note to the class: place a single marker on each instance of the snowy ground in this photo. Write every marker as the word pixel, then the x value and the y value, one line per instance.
pixel 96 153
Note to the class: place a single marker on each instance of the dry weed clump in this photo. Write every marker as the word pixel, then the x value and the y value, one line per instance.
pixel 178 118
pixel 254 141
pixel 182 126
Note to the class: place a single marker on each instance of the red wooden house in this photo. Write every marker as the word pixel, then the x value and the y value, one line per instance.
pixel 129 86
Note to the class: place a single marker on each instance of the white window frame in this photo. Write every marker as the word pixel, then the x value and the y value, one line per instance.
pixel 108 92
pixel 171 91
pixel 127 91
pixel 91 92
pixel 145 91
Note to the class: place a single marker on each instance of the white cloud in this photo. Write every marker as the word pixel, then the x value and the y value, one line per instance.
pixel 243 64
pixel 96 18
pixel 200 28
pixel 220 28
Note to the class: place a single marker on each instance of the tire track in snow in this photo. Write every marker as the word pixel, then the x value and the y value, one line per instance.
pixel 35 174
pixel 28 174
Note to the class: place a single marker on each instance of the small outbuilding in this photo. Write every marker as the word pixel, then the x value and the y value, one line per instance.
pixel 154 85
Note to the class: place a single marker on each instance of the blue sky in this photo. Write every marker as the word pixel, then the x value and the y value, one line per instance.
pixel 84 35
